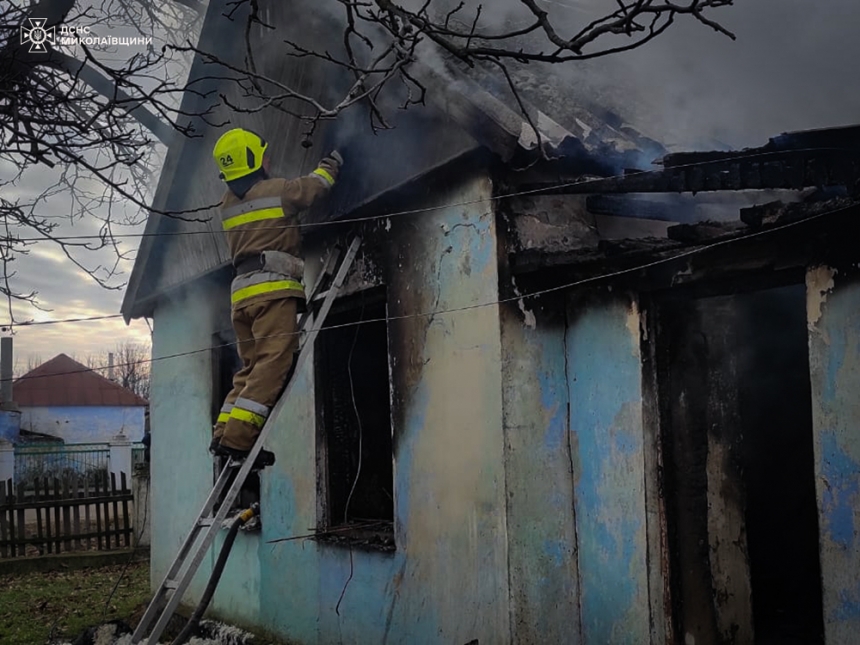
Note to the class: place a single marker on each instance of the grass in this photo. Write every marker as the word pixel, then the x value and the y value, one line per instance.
pixel 38 607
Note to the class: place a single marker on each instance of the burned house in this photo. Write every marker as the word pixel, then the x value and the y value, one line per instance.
pixel 565 398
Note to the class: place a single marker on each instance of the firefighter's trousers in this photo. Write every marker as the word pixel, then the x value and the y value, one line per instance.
pixel 267 342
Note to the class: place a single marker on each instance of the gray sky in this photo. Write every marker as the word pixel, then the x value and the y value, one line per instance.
pixel 791 68
pixel 65 290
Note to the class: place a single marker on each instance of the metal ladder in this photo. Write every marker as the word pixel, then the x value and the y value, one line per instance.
pixel 207 524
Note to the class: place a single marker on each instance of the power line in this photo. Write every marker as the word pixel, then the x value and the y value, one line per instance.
pixel 31 323
pixel 534 294
pixel 416 211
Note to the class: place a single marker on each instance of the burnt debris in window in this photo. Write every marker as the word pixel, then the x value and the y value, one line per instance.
pixel 355 443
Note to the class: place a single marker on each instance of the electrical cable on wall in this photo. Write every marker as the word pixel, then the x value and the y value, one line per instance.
pixel 416 211
pixel 517 298
pixel 360 453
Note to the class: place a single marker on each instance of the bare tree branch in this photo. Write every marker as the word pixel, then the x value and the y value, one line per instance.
pixel 91 122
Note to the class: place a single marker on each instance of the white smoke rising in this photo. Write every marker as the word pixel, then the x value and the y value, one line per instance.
pixel 792 67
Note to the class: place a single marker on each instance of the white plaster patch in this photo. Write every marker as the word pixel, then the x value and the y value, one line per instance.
pixel 530 320
pixel 819 282
pixel 633 326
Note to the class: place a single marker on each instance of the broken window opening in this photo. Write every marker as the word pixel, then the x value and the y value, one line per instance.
pixel 355 441
pixel 736 416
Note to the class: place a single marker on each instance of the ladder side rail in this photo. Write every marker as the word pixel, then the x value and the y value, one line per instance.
pixel 202 551
pixel 326 272
pixel 327 268
pixel 319 319
pixel 245 470
pixel 176 565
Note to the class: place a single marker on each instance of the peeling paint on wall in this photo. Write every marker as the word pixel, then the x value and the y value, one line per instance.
pixel 541 528
pixel 633 326
pixel 819 282
pixel 606 418
pixel 835 376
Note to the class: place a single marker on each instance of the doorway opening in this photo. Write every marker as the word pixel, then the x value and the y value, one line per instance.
pixel 736 423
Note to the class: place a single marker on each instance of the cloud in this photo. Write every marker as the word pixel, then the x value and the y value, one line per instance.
pixel 63 288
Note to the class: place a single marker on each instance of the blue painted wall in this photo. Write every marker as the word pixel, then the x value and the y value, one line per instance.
pixel 605 391
pixel 834 354
pixel 447 581
pixel 85 424
pixel 544 577
pixel 181 472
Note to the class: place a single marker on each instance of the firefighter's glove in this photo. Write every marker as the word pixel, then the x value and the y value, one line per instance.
pixel 335 159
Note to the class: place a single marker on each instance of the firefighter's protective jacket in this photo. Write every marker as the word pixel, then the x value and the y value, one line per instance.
pixel 262 224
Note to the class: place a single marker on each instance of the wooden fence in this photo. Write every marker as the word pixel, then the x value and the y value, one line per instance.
pixel 44 515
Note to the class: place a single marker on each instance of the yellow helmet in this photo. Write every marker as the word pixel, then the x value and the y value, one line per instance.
pixel 239 153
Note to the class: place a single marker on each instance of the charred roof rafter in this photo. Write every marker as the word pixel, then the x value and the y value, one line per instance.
pixel 790 161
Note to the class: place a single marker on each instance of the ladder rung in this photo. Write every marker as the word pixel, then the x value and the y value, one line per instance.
pixel 179 583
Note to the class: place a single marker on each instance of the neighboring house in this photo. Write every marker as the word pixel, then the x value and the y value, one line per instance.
pixel 66 400
pixel 661 448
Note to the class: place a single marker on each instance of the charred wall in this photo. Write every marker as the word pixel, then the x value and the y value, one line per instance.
pixel 736 413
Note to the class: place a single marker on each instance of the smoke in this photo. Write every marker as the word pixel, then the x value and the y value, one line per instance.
pixel 691 88
pixel 790 68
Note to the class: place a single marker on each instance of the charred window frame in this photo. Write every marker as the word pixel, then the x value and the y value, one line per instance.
pixel 354 431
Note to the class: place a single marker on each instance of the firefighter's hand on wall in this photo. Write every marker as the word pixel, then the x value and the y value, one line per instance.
pixel 335 158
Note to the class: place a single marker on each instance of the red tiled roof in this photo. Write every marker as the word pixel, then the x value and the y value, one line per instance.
pixel 63 381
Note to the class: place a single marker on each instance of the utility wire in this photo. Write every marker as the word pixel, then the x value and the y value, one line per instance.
pixel 517 298
pixel 493 198
pixel 5 326
pixel 31 323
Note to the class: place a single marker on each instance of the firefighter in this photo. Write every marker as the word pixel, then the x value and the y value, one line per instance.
pixel 259 216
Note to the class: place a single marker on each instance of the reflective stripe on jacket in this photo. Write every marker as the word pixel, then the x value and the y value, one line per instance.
pixel 264 285
pixel 266 220
pixel 253 210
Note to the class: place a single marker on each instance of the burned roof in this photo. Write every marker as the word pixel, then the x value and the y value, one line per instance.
pixel 463 118
pixel 788 239
pixel 796 190
pixel 794 160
